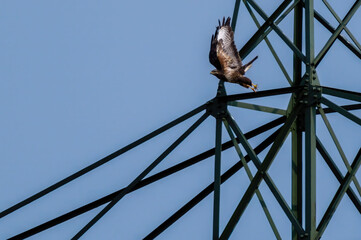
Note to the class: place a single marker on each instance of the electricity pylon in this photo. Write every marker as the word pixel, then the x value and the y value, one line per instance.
pixel 308 98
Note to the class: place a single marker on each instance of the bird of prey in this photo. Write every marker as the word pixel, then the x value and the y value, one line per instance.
pixel 224 56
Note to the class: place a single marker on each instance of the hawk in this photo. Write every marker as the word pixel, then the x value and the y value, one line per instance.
pixel 224 56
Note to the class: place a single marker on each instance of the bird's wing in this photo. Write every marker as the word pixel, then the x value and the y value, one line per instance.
pixel 226 47
pixel 213 58
pixel 227 62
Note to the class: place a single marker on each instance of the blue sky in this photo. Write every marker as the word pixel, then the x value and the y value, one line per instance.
pixel 81 79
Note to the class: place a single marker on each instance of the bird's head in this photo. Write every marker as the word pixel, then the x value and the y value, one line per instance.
pixel 218 74
pixel 214 72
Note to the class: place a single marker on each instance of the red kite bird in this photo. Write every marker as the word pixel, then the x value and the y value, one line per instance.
pixel 224 56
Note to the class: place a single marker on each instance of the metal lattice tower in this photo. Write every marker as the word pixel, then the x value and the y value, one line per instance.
pixel 308 98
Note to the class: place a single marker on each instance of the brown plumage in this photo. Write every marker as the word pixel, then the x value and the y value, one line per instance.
pixel 224 56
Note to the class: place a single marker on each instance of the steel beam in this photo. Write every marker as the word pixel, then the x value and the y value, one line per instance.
pixel 278 60
pixel 338 30
pixel 285 39
pixel 140 177
pixel 336 171
pixel 235 14
pixel 310 126
pixel 338 196
pixel 310 171
pixel 296 174
pixel 296 177
pixel 102 161
pixel 278 196
pixel 217 179
pixel 147 181
pixel 260 34
pixel 284 14
pixel 259 94
pixel 331 29
pixel 249 174
pixel 257 107
pixel 350 95
pixel 340 21
pixel 258 177
pixel 341 110
pixel 339 148
pixel 205 192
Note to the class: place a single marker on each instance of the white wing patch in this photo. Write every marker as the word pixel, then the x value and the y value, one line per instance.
pixel 222 34
pixel 225 35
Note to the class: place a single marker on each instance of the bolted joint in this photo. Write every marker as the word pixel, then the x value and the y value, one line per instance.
pixel 304 236
pixel 217 108
pixel 311 95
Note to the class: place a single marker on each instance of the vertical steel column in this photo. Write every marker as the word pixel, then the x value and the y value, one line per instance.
pixel 217 178
pixel 296 131
pixel 296 177
pixel 310 171
pixel 310 126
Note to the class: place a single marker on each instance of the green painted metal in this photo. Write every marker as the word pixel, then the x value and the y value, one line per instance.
pixel 336 171
pixel 278 31
pixel 103 161
pixel 310 126
pixel 282 202
pixel 140 176
pixel 338 196
pixel 340 37
pixel 206 191
pixel 341 110
pixel 278 60
pixel 249 174
pixel 296 177
pixel 235 14
pixel 339 148
pixel 338 30
pixel 265 93
pixel 299 117
pixel 217 178
pixel 296 174
pixel 259 175
pixel 310 172
pixel 260 34
pixel 349 33
pixel 257 107
pixel 355 96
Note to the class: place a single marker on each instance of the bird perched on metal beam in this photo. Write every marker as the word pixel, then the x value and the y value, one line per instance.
pixel 224 56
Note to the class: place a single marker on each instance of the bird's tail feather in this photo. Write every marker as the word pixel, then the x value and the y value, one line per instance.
pixel 248 65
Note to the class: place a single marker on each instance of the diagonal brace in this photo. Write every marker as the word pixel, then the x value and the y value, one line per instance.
pixel 339 148
pixel 338 196
pixel 260 34
pixel 331 29
pixel 158 176
pixel 278 60
pixel 249 173
pixel 337 32
pixel 141 176
pixel 341 110
pixel 257 107
pixel 265 176
pixel 258 177
pixel 340 21
pixel 235 14
pixel 350 95
pixel 336 171
pixel 206 191
pixel 278 31
pixel 102 161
